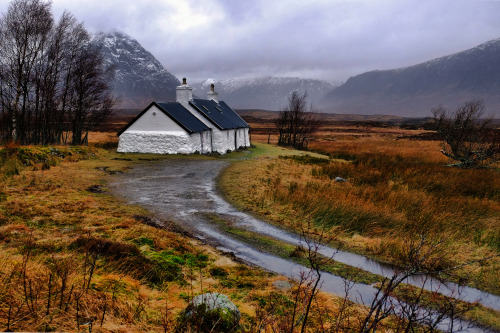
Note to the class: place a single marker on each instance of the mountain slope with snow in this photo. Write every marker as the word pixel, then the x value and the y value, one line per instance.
pixel 269 93
pixel 413 91
pixel 139 78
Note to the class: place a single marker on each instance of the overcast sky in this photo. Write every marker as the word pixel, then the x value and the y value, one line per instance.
pixel 322 39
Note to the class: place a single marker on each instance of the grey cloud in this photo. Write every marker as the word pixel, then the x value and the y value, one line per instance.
pixel 325 39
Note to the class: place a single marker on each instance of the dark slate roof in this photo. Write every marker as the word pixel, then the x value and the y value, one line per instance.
pixel 179 114
pixel 220 114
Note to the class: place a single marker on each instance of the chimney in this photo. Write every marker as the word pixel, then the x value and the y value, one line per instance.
pixel 212 94
pixel 183 93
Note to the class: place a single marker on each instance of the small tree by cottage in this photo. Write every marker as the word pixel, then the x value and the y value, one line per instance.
pixel 296 122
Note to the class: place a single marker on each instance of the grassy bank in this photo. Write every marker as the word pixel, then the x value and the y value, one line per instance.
pixel 297 254
pixel 394 191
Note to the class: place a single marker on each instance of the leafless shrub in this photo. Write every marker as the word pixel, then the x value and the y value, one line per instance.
pixel 468 139
pixel 296 122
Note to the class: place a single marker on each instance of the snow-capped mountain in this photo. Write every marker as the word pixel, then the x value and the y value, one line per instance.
pixel 270 93
pixel 139 78
pixel 415 90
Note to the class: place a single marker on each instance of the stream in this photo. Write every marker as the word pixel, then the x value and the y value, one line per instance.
pixel 182 190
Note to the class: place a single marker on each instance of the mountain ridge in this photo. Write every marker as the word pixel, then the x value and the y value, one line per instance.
pixel 267 92
pixel 412 91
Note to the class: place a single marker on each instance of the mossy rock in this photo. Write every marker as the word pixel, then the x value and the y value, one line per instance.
pixel 211 312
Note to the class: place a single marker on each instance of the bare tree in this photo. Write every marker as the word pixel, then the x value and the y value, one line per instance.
pixel 296 122
pixel 468 139
pixel 91 101
pixel 54 84
pixel 24 30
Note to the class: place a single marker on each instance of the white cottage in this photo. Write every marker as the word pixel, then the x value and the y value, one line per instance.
pixel 185 126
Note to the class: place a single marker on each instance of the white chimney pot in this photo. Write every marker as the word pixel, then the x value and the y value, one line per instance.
pixel 212 94
pixel 183 93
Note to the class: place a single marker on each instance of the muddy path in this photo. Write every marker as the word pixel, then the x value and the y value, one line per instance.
pixel 184 191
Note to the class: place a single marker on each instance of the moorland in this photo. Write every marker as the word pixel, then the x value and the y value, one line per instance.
pixel 77 257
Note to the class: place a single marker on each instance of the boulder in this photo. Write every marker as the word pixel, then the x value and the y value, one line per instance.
pixel 340 179
pixel 211 312
pixel 282 285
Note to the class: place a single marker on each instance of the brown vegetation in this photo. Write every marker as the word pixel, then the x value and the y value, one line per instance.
pixel 395 187
pixel 75 256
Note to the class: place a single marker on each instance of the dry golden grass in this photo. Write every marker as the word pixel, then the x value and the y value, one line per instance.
pixel 396 187
pixel 72 253
pixel 54 224
pixel 102 138
pixel 43 215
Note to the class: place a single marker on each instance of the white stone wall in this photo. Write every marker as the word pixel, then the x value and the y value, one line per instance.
pixel 222 141
pixel 243 138
pixel 155 120
pixel 163 142
pixel 206 142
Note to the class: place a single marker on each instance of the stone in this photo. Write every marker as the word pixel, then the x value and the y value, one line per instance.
pixel 210 312
pixel 340 180
pixel 282 285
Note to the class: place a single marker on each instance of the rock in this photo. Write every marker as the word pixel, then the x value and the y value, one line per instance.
pixel 340 180
pixel 282 285
pixel 211 312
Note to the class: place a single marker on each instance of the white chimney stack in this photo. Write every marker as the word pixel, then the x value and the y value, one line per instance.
pixel 212 94
pixel 183 93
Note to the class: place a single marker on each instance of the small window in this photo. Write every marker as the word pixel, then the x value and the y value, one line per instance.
pixel 205 107
pixel 154 113
pixel 218 109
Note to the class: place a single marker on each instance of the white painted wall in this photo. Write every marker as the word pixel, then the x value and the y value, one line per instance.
pixel 155 120
pixel 243 137
pixel 163 142
pixel 222 141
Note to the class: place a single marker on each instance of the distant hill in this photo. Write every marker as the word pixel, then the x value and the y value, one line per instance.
pixel 266 115
pixel 413 91
pixel 140 78
pixel 270 93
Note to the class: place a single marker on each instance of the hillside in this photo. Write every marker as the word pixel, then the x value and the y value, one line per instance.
pixel 270 93
pixel 414 90
pixel 140 77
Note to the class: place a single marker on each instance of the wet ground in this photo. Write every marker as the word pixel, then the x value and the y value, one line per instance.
pixel 183 190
